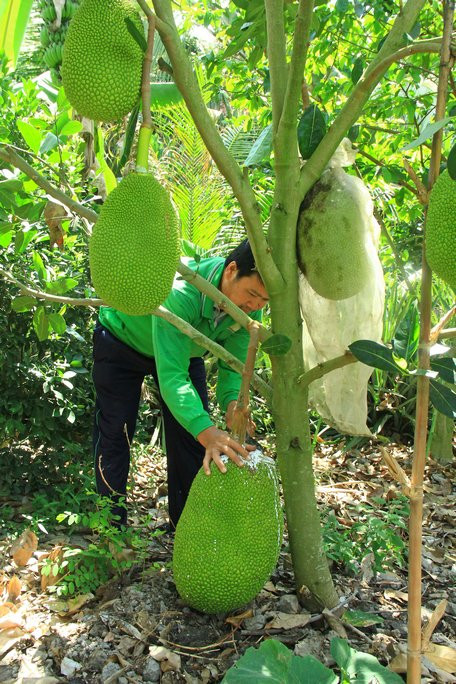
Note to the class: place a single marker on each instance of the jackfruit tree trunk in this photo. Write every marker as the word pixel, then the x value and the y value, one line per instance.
pixel 314 584
pixel 313 580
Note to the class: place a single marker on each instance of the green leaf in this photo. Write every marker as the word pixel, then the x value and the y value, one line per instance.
pixel 442 398
pixel 342 6
pixel 14 16
pixel 274 663
pixel 357 70
pixel 375 354
pixel 164 95
pixel 61 285
pixel 358 618
pixel 451 162
pixel 23 303
pixel 136 34
pixel 110 179
pixel 39 266
pixel 71 127
pixel 309 670
pixel 57 323
pixel 261 148
pixel 311 130
pixel 446 368
pixel 276 345
pixel 353 132
pixel 428 132
pixel 31 135
pixel 269 663
pixel 41 323
pixel 6 237
pixel 363 666
pixel 407 337
pixel 50 142
pixel 129 138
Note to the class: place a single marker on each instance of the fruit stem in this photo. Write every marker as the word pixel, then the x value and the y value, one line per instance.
pixel 142 154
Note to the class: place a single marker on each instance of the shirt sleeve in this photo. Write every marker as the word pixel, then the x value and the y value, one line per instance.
pixel 172 357
pixel 228 380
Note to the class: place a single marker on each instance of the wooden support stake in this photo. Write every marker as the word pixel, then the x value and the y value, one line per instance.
pixel 241 410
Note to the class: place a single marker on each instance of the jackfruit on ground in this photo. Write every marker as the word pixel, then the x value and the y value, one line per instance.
pixel 102 62
pixel 134 246
pixel 332 250
pixel 229 535
pixel 441 229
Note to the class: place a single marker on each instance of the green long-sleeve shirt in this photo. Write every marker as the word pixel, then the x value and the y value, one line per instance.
pixel 172 349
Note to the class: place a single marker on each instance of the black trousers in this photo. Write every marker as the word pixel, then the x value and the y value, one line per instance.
pixel 118 374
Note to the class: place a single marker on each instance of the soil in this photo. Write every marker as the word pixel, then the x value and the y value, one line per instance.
pixel 135 627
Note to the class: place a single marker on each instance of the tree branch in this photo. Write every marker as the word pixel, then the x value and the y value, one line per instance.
pixel 287 127
pixel 38 294
pixel 437 329
pixel 449 332
pixel 277 57
pixel 222 302
pixel 11 157
pixel 326 367
pixel 188 85
pixel 216 349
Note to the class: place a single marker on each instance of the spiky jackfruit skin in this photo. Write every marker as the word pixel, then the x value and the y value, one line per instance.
pixel 102 62
pixel 229 536
pixel 134 246
pixel 441 229
pixel 332 225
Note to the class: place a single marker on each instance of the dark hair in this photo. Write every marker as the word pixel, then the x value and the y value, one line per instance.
pixel 243 257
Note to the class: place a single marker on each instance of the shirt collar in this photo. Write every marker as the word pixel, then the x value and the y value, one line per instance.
pixel 214 277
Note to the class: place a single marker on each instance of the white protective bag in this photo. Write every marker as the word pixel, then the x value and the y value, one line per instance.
pixel 329 326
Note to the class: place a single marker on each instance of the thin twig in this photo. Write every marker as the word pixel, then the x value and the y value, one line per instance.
pixel 437 329
pixel 325 367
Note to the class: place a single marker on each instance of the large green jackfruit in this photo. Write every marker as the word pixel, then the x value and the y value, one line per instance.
pixel 229 535
pixel 332 232
pixel 134 246
pixel 441 229
pixel 102 62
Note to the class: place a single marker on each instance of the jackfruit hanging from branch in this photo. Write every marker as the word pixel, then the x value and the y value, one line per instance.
pixel 102 61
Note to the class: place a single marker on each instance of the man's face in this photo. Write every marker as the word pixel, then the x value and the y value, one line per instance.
pixel 247 292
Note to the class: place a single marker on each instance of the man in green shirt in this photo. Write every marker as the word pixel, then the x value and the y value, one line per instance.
pixel 127 348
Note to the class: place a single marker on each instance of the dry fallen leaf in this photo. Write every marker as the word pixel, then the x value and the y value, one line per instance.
pixel 54 214
pixel 288 621
pixel 335 624
pixel 67 607
pixel 442 656
pixel 24 547
pixel 14 588
pixel 237 620
pixel 10 622
pixel 7 607
pixel 9 638
pixel 168 659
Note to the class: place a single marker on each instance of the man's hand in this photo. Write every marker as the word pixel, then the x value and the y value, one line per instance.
pixel 251 427
pixel 218 442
